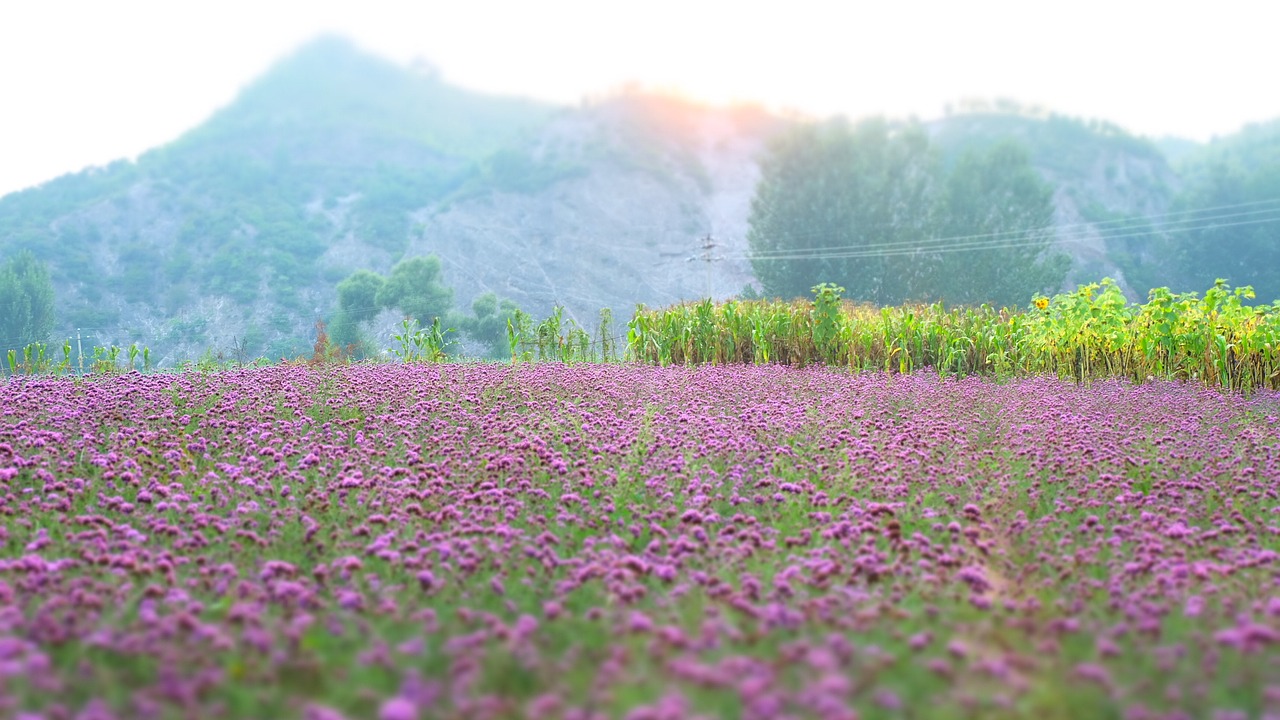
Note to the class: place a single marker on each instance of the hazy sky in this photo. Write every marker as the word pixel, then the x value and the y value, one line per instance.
pixel 83 83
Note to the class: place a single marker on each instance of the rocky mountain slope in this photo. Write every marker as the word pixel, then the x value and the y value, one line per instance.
pixel 655 178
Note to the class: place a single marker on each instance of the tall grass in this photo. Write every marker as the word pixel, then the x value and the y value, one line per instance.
pixel 1092 332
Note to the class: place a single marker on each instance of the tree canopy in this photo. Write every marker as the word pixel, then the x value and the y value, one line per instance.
pixel 837 203
pixel 488 325
pixel 871 207
pixel 997 213
pixel 1226 225
pixel 357 303
pixel 26 301
pixel 415 287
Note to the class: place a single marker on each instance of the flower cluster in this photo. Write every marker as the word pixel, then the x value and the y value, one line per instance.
pixel 486 541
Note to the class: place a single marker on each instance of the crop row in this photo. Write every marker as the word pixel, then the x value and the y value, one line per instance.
pixel 1091 333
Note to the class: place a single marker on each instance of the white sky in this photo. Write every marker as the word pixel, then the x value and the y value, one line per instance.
pixel 84 83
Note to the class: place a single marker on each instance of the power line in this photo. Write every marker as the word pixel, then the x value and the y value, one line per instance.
pixel 1072 230
pixel 997 244
pixel 1152 218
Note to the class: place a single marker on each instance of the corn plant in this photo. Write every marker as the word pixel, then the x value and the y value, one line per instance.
pixel 555 339
pixel 608 351
pixel 421 345
pixel 106 360
pixel 826 319
pixel 1090 332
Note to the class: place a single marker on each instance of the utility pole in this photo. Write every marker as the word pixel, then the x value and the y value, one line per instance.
pixel 80 351
pixel 708 245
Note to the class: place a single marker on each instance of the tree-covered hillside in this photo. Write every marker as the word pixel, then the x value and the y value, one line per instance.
pixel 871 206
pixel 1100 175
pixel 330 148
pixel 1168 212
pixel 1229 215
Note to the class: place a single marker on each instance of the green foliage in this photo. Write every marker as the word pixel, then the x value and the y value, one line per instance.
pixel 91 316
pixel 415 344
pixel 414 287
pixel 996 201
pixel 357 303
pixel 519 334
pixel 235 269
pixel 826 319
pixel 34 360
pixel 1242 177
pixel 1086 334
pixel 135 281
pixel 559 339
pixel 38 359
pixel 26 301
pixel 489 322
pixel 829 192
pixel 1131 241
pixel 517 170
pixel 1067 146
pixel 386 200
pixel 606 344
pixel 178 265
pixel 26 216
pixel 871 207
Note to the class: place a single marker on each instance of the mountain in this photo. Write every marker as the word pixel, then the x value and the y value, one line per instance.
pixel 236 234
pixel 238 231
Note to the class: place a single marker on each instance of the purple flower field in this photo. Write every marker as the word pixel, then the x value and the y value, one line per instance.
pixel 608 541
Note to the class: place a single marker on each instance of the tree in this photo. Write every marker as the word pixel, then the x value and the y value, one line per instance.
pixel 415 288
pixel 26 301
pixel 871 208
pixel 996 215
pixel 846 204
pixel 1244 245
pixel 357 303
pixel 489 324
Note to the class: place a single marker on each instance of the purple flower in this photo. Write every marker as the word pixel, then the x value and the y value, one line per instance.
pixel 398 708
